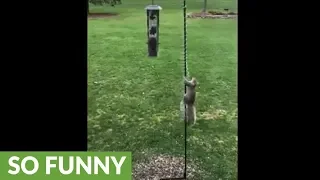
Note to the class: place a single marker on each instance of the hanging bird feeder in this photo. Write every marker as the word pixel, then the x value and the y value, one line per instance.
pixel 153 12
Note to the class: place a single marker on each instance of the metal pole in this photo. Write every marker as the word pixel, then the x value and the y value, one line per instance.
pixel 185 87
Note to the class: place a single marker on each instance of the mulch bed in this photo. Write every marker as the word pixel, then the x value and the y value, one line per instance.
pixel 164 166
pixel 212 15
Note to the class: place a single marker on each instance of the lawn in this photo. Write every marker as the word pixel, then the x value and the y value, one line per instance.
pixel 133 100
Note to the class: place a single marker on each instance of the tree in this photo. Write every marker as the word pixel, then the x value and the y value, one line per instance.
pixel 204 6
pixel 103 2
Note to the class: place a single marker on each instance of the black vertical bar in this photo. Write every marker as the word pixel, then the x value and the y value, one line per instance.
pixel 41 100
pixel 148 23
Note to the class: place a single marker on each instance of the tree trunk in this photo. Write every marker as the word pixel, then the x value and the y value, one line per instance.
pixel 204 6
pixel 88 10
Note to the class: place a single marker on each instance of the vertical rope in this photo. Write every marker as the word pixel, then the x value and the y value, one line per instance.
pixel 185 87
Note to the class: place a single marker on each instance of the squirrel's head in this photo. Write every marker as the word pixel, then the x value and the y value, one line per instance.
pixel 194 81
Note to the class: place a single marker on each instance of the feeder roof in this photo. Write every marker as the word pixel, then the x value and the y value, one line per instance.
pixel 153 7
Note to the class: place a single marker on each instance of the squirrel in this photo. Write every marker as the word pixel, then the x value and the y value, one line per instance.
pixel 189 99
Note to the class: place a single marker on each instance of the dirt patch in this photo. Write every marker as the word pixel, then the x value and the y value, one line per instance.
pixel 213 114
pixel 101 15
pixel 213 15
pixel 164 166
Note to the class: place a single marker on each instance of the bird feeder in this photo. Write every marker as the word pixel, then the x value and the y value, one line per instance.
pixel 153 29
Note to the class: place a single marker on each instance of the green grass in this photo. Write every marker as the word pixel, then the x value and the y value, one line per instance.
pixel 133 100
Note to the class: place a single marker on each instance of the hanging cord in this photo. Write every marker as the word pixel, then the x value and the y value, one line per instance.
pixel 185 87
